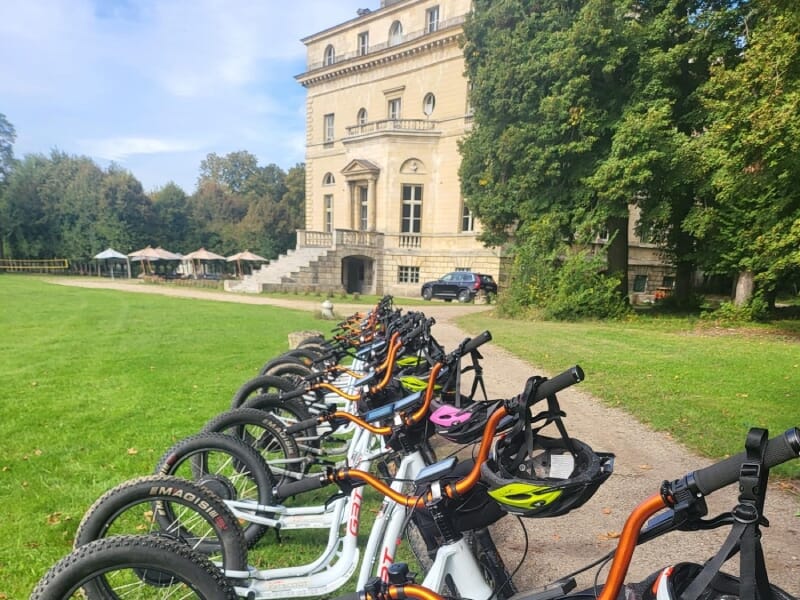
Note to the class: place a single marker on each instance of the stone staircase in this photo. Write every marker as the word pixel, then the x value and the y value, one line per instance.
pixel 303 269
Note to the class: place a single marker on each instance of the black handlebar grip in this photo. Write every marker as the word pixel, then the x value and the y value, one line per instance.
pixel 476 342
pixel 296 393
pixel 779 449
pixel 302 425
pixel 287 490
pixel 417 331
pixel 555 384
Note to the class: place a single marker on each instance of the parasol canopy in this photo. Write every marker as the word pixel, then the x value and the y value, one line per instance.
pixel 203 254
pixel 111 254
pixel 245 256
pixel 149 254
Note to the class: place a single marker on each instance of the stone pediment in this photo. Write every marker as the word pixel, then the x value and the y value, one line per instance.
pixel 360 168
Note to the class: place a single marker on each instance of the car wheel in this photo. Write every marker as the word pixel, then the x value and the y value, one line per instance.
pixel 464 296
pixel 427 293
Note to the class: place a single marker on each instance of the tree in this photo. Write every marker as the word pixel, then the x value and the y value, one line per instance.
pixel 171 216
pixel 236 171
pixel 752 150
pixel 550 80
pixel 7 137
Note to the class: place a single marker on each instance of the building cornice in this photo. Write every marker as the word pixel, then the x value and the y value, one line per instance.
pixel 394 54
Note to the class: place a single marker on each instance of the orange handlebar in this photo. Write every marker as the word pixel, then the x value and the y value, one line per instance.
pixel 450 490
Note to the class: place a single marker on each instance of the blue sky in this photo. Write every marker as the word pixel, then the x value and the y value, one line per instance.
pixel 156 85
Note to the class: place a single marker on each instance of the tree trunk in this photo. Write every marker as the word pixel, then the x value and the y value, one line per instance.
pixel 618 252
pixel 744 288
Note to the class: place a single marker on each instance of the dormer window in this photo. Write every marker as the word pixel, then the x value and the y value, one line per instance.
pixel 330 56
pixel 363 43
pixel 395 33
pixel 361 117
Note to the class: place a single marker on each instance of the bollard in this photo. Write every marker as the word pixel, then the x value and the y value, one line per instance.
pixel 327 309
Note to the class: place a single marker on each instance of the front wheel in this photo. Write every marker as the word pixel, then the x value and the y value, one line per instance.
pixel 228 467
pixel 167 507
pixel 139 566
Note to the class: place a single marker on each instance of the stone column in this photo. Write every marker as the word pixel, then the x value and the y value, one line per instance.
pixel 371 204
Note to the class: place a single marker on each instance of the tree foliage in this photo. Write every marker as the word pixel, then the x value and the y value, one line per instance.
pixel 68 207
pixel 586 108
pixel 7 137
pixel 752 152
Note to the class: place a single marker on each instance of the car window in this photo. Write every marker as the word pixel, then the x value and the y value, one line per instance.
pixel 448 277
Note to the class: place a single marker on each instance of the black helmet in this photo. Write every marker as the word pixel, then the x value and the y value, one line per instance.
pixel 554 477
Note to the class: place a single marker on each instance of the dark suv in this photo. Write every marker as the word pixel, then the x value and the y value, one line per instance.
pixel 461 285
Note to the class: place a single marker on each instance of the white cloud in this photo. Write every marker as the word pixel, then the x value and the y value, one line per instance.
pixel 118 149
pixel 160 80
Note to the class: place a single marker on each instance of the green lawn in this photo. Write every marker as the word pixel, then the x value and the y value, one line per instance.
pixel 94 386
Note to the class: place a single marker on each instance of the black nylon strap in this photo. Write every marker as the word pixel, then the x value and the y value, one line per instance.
pixel 745 535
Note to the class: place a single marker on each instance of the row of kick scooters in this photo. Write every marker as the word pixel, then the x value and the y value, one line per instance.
pixel 309 422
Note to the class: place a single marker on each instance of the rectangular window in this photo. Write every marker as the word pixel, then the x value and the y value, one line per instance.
pixel 432 19
pixel 394 109
pixel 363 209
pixel 407 274
pixel 640 283
pixel 328 213
pixel 328 128
pixel 363 43
pixel 411 221
pixel 467 220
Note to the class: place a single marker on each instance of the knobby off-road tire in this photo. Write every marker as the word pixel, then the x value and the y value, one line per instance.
pixel 228 467
pixel 305 357
pixel 293 371
pixel 261 385
pixel 110 567
pixel 264 432
pixel 168 507
pixel 288 412
pixel 494 569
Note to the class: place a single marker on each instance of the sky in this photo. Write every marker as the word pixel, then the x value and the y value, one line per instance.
pixel 157 85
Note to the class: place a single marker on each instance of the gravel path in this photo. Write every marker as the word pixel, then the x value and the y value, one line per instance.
pixel 644 458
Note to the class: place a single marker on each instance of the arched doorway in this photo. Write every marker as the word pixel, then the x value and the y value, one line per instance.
pixel 358 274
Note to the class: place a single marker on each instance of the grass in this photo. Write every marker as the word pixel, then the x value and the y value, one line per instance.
pixel 95 385
pixel 704 384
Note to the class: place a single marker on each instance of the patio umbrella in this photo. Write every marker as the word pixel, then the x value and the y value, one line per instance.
pixel 202 255
pixel 246 256
pixel 111 254
pixel 149 254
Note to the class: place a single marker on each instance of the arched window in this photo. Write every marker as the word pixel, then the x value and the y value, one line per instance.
pixel 395 33
pixel 361 117
pixel 428 104
pixel 330 55
pixel 328 179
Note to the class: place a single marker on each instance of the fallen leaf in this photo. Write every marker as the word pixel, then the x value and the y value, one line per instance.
pixel 606 511
pixel 645 467
pixel 609 535
pixel 133 451
pixel 54 518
